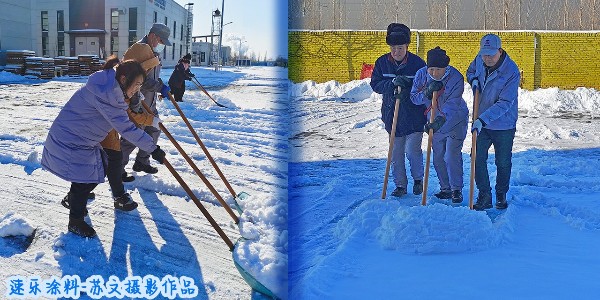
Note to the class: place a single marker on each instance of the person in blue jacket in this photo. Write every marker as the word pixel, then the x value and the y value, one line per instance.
pixel 72 150
pixel 395 70
pixel 497 77
pixel 450 121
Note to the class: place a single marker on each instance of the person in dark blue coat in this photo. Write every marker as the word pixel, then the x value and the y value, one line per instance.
pixel 395 70
pixel 180 74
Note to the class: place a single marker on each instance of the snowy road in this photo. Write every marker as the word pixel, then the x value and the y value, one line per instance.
pixel 346 243
pixel 167 234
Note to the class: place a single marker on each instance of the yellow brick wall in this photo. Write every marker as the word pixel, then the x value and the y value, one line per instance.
pixel 569 60
pixel 563 59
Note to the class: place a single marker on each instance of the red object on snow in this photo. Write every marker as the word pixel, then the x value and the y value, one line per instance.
pixel 366 71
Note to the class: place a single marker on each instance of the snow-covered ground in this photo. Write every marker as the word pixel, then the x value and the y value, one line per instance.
pixel 167 235
pixel 348 243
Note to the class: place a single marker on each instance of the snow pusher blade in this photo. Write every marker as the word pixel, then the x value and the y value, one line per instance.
pixel 204 149
pixel 251 280
pixel 195 81
pixel 239 200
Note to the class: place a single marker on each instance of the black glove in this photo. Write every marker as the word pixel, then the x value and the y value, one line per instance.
pixel 433 86
pixel 437 123
pixel 192 74
pixel 402 81
pixel 158 155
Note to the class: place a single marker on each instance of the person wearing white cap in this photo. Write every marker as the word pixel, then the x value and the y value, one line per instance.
pixel 497 78
pixel 157 38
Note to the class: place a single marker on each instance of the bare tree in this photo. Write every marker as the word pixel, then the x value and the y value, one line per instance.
pixel 369 15
pixel 436 15
pixel 589 12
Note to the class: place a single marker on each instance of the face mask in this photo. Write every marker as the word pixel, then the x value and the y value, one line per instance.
pixel 159 48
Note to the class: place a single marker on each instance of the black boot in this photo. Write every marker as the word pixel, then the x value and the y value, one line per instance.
pixel 501 201
pixel 125 203
pixel 484 201
pixel 457 197
pixel 66 202
pixel 79 227
pixel 399 192
pixel 418 187
pixel 140 167
pixel 443 194
pixel 127 178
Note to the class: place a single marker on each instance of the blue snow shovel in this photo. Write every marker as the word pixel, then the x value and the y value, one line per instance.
pixel 238 198
pixel 249 278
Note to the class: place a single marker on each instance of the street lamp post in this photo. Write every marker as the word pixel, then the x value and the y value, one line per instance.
pixel 221 34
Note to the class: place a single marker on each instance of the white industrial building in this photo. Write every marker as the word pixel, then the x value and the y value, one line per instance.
pixel 53 28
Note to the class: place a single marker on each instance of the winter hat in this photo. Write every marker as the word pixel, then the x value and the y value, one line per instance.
pixel 162 31
pixel 397 34
pixel 187 56
pixel 490 43
pixel 437 58
pixel 143 54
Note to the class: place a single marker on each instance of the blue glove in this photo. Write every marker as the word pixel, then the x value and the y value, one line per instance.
pixel 164 91
pixel 477 125
pixel 475 86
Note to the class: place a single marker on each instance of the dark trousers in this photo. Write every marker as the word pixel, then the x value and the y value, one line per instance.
pixel 78 198
pixel 114 171
pixel 503 142
pixel 177 93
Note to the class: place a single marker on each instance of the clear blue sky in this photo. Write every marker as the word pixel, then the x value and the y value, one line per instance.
pixel 261 23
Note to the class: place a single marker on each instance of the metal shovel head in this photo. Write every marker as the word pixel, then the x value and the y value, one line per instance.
pixel 249 278
pixel 239 199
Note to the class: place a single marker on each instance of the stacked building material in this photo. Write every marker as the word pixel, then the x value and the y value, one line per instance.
pixel 15 60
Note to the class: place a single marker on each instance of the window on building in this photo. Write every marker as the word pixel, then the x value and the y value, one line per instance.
pixel 60 21
pixel 114 45
pixel 166 21
pixel 173 53
pixel 155 17
pixel 202 56
pixel 180 50
pixel 174 29
pixel 60 44
pixel 44 21
pixel 181 38
pixel 132 37
pixel 44 44
pixel 114 19
pixel 164 54
pixel 133 18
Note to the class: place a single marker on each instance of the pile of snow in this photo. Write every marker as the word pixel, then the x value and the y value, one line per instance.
pixel 6 77
pixel 263 250
pixel 432 229
pixel 13 224
pixel 353 91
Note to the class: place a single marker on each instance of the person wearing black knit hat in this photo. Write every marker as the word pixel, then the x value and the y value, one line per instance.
pixel 180 74
pixel 394 71
pixel 450 121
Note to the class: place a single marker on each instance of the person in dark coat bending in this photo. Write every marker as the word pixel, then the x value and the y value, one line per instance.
pixel 181 73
